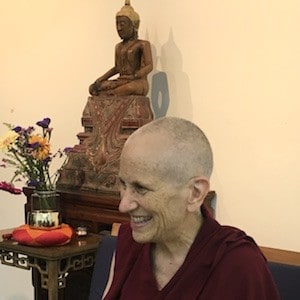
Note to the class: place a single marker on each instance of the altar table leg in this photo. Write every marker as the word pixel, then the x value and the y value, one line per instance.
pixel 53 280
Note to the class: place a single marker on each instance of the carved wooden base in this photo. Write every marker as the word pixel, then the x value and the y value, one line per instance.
pixel 108 121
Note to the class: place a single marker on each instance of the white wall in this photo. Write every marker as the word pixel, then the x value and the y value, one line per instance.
pixel 233 68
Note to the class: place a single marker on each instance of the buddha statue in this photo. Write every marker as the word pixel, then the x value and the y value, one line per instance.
pixel 133 60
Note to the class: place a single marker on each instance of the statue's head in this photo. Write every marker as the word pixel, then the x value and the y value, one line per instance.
pixel 128 11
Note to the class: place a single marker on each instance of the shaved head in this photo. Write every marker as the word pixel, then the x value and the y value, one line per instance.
pixel 174 146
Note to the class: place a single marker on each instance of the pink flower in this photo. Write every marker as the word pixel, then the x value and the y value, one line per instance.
pixel 8 187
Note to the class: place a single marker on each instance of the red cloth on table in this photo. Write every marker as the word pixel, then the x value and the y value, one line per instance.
pixel 26 235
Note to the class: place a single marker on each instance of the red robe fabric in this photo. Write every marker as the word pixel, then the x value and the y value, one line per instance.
pixel 222 264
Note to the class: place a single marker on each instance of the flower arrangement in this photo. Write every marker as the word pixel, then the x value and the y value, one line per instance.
pixel 29 153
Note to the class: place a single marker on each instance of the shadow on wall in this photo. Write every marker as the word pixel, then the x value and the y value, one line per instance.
pixel 160 97
pixel 180 93
pixel 159 88
pixel 170 61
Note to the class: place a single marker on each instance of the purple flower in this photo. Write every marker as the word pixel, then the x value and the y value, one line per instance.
pixel 17 129
pixel 32 183
pixel 47 160
pixel 29 130
pixel 33 145
pixel 8 187
pixel 68 150
pixel 44 123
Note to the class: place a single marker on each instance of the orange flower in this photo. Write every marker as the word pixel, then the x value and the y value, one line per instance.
pixel 41 149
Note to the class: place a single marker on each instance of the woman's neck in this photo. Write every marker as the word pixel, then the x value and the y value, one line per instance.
pixel 180 243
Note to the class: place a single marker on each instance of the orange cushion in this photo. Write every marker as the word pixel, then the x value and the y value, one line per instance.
pixel 38 237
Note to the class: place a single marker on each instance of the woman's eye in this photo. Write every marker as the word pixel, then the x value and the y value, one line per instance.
pixel 141 189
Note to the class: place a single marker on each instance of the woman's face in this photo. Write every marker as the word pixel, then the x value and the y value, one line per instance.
pixel 156 205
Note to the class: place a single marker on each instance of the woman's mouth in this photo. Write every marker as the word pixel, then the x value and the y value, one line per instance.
pixel 139 220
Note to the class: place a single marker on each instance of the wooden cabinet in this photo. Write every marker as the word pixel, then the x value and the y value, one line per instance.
pixel 96 210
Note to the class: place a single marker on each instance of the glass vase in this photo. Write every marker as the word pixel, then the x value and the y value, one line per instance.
pixel 45 210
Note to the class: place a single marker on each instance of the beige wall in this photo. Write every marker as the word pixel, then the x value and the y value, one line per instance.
pixel 233 68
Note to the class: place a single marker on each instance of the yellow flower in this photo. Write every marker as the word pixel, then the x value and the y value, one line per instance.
pixel 42 151
pixel 8 140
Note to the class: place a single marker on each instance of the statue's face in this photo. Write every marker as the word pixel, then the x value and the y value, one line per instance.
pixel 125 28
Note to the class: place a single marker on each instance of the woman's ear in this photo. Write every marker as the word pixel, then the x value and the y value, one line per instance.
pixel 199 189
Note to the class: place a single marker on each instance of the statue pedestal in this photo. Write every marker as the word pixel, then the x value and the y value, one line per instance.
pixel 108 121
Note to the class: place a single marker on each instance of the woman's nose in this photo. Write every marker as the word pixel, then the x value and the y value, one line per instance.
pixel 127 202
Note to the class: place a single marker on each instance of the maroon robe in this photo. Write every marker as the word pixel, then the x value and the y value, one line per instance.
pixel 223 263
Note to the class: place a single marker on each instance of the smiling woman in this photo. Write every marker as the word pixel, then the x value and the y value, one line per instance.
pixel 172 237
pixel 245 96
